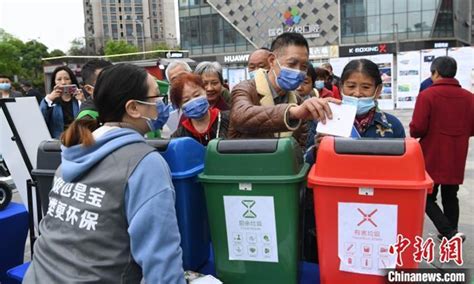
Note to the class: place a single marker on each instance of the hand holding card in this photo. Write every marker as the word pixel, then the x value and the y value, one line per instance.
pixel 342 120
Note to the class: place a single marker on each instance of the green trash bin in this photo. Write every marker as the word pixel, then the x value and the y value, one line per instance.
pixel 163 86
pixel 252 194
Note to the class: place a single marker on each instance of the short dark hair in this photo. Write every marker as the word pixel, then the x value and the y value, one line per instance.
pixel 69 71
pixel 88 70
pixel 6 76
pixel 364 66
pixel 321 72
pixel 115 86
pixel 311 72
pixel 446 66
pixel 26 83
pixel 287 39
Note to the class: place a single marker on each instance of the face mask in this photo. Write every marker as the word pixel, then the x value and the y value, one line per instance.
pixel 5 86
pixel 252 74
pixel 289 79
pixel 196 108
pixel 163 115
pixel 364 105
pixel 319 84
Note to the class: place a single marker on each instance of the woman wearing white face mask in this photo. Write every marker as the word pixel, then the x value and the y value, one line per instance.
pixel 361 85
pixel 202 122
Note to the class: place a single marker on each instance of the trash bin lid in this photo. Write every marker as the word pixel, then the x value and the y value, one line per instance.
pixel 184 155
pixel 48 155
pixel 254 160
pixel 382 163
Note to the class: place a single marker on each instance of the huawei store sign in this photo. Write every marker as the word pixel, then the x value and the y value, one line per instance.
pixel 291 23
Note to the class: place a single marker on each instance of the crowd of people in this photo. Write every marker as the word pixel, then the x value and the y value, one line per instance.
pixel 103 124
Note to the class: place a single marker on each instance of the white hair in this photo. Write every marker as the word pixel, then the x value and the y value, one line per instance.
pixel 175 64
pixel 209 67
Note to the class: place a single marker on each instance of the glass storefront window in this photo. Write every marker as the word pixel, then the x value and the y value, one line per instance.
pixel 373 20
pixel 359 25
pixel 373 7
pixel 374 37
pixel 414 21
pixel 386 7
pixel 401 20
pixel 347 9
pixel 360 39
pixel 386 23
pixel 427 19
pixel 359 8
pixel 414 5
pixel 429 4
pixel 373 25
pixel 400 6
pixel 414 35
pixel 207 33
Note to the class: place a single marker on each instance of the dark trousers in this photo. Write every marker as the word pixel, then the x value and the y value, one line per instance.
pixel 446 220
pixel 309 243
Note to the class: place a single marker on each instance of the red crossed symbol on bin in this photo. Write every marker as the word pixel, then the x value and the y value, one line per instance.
pixel 367 217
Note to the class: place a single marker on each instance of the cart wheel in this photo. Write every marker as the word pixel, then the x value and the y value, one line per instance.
pixel 5 195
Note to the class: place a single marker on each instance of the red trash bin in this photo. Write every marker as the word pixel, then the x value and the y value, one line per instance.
pixel 366 192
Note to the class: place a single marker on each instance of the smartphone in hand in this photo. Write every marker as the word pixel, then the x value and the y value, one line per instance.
pixel 69 89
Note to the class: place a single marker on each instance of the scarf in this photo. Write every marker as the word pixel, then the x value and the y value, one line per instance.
pixel 207 135
pixel 363 122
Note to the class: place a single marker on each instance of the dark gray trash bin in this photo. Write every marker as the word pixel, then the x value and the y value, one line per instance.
pixel 48 160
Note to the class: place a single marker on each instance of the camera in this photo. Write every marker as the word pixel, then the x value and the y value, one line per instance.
pixel 69 89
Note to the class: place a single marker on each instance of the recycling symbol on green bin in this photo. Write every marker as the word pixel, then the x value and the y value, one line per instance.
pixel 248 205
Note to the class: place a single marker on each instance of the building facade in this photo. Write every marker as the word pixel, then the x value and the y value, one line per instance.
pixel 139 22
pixel 227 31
pixel 409 24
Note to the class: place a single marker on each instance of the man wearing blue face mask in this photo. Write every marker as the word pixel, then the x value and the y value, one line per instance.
pixel 6 88
pixel 268 106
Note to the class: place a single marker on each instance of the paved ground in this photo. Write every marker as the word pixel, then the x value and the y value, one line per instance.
pixel 466 197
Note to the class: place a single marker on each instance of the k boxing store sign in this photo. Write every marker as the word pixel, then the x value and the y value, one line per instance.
pixel 358 50
pixel 291 23
pixel 387 48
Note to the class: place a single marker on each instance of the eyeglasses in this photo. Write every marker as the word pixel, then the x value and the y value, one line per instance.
pixel 154 97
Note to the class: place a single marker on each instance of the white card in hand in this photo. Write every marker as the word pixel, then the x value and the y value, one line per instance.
pixel 342 120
